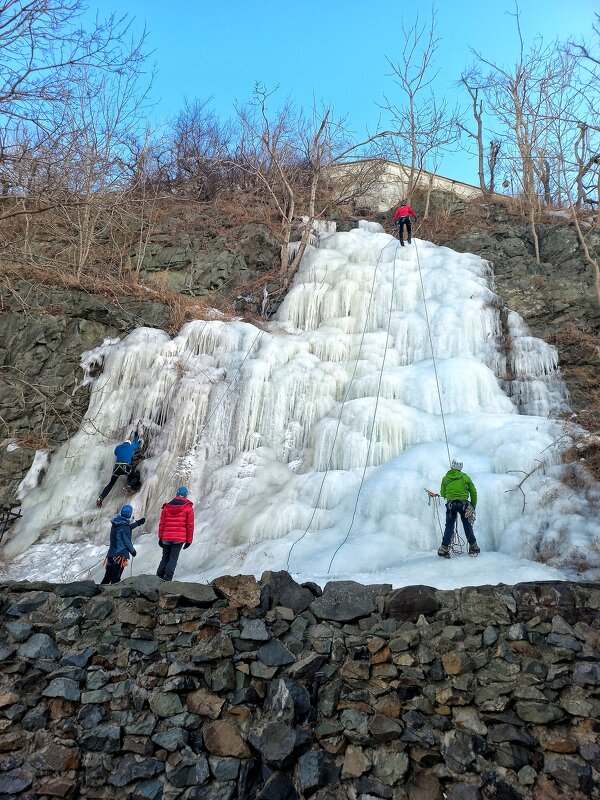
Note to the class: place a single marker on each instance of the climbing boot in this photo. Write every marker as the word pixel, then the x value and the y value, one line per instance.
pixel 443 551
pixel 474 549
pixel 99 503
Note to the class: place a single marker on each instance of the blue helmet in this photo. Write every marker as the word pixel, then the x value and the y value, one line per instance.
pixel 126 511
pixel 182 492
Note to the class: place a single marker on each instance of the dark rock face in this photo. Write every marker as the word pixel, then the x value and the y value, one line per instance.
pixel 44 330
pixel 197 261
pixel 41 346
pixel 492 692
pixel 553 297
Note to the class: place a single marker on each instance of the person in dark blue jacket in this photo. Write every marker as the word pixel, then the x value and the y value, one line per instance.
pixel 121 546
pixel 123 455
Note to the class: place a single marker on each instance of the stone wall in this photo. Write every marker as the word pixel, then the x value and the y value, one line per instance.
pixel 271 690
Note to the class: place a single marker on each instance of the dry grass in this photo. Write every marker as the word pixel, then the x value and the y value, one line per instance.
pixel 587 344
pixel 32 441
pixel 115 291
pixel 585 455
pixel 444 227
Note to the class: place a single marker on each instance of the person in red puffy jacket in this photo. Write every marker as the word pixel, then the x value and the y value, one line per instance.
pixel 175 531
pixel 402 218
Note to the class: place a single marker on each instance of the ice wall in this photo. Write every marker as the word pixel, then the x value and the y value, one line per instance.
pixel 315 439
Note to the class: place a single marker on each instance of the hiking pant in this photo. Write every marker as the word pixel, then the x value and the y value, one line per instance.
pixel 113 573
pixel 454 507
pixel 168 562
pixel 402 221
pixel 119 469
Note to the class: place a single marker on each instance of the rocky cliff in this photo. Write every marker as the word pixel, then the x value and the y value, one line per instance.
pixel 276 691
pixel 44 329
pixel 556 298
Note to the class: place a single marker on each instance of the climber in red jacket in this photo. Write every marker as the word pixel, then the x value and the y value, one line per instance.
pixel 175 531
pixel 402 218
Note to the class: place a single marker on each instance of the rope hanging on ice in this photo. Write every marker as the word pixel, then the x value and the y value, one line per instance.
pixel 362 479
pixel 437 382
pixel 330 459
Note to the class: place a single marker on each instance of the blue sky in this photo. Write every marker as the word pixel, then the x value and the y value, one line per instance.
pixel 331 50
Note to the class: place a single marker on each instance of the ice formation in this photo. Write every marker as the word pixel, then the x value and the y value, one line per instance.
pixel 308 446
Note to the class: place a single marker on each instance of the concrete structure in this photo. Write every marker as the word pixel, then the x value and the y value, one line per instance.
pixel 388 180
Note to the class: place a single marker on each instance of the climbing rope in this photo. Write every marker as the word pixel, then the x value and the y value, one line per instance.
pixel 437 381
pixel 434 500
pixel 457 543
pixel 345 398
pixel 362 479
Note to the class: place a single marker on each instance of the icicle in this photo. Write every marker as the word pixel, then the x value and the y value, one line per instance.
pixel 273 430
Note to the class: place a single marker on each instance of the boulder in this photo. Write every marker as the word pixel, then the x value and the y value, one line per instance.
pixel 241 589
pixel 344 601
pixel 223 739
pixel 410 602
pixel 279 744
pixel 284 591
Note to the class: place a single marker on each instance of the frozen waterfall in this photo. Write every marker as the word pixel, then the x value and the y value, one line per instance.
pixel 315 438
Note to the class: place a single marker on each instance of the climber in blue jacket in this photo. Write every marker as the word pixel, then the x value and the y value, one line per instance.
pixel 123 455
pixel 121 546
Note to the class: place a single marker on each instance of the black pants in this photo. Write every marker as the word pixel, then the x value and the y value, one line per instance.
pixel 168 562
pixel 402 221
pixel 113 572
pixel 119 469
pixel 454 507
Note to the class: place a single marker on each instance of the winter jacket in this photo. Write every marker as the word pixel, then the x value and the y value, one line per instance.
pixel 404 211
pixel 177 521
pixel 120 537
pixel 124 452
pixel 458 486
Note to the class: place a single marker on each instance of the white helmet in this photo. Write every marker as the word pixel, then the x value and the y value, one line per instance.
pixel 456 464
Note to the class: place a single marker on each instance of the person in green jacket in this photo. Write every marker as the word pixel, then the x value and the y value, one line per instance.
pixel 457 489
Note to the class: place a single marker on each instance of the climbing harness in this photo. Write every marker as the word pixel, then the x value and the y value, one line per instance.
pixel 344 399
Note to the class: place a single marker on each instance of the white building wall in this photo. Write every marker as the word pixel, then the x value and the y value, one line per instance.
pixel 390 187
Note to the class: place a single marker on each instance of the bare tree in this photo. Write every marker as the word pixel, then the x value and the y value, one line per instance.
pixel 300 165
pixel 424 125
pixel 492 162
pixel 201 142
pixel 42 43
pixel 584 50
pixel 471 80
pixel 518 95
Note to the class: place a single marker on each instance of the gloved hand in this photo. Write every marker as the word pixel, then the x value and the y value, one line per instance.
pixel 142 520
pixel 186 545
pixel 134 553
pixel 160 543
